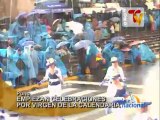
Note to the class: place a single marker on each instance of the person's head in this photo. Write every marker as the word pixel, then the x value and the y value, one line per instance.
pixel 50 63
pixel 114 61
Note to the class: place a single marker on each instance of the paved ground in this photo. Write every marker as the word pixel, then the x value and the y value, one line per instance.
pixel 139 83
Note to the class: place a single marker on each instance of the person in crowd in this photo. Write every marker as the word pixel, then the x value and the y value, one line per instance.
pixel 112 29
pixel 81 54
pixel 152 22
pixel 11 65
pixel 51 53
pixel 114 69
pixel 65 55
pixel 93 62
pixel 31 69
pixel 117 28
pixel 89 33
pixel 107 53
pixel 136 55
pixel 118 53
pixel 35 58
pixel 104 30
pixel 21 63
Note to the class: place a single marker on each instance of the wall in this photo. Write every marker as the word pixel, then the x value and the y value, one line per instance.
pixel 17 7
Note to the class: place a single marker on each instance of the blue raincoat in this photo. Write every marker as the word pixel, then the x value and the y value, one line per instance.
pixel 42 59
pixel 135 53
pixel 119 54
pixel 89 34
pixel 51 42
pixel 11 64
pixel 24 72
pixel 17 30
pixel 107 53
pixel 29 63
pixel 146 53
pixel 3 52
pixel 35 59
pixel 90 52
pixel 50 53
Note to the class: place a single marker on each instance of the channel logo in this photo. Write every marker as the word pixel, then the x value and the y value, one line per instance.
pixel 133 17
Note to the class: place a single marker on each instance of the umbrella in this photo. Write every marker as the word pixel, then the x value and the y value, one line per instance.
pixel 82 44
pixel 62 44
pixel 117 38
pixel 115 19
pixel 76 27
pixel 27 43
pixel 134 43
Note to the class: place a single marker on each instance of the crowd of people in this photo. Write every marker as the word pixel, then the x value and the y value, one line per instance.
pixel 31 41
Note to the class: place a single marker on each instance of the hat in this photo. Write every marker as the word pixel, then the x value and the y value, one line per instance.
pixel 115 77
pixel 114 59
pixel 50 62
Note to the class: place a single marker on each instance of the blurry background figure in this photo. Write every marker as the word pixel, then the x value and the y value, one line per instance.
pixel 143 113
pixel 117 28
pixel 35 58
pixel 81 54
pixel 112 29
pixel 31 69
pixel 20 59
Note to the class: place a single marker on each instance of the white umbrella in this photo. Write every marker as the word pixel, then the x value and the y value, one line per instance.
pixel 82 44
pixel 76 27
pixel 62 44
pixel 115 19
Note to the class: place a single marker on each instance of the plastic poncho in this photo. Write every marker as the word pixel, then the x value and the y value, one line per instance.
pixel 42 59
pixel 3 52
pixel 51 42
pixel 146 53
pixel 107 53
pixel 89 34
pixel 135 53
pixel 91 51
pixel 29 63
pixel 119 54
pixel 24 72
pixel 35 59
pixel 11 64
pixel 17 30
pixel 50 53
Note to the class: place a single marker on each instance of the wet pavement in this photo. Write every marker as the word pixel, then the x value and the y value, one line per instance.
pixel 139 80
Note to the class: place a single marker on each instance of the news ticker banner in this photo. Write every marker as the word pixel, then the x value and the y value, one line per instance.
pixel 24 103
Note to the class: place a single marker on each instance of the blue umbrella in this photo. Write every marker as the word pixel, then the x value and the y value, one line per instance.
pixel 27 43
pixel 62 44
pixel 117 38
